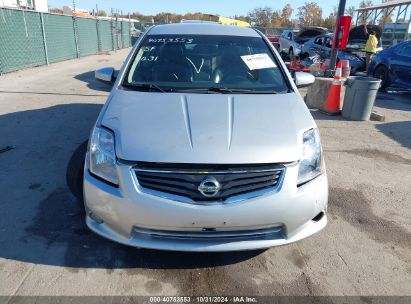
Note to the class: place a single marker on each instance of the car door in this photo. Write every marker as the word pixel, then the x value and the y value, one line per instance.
pixel 401 64
pixel 289 40
pixel 284 45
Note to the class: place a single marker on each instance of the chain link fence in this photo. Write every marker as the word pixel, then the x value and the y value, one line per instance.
pixel 60 39
pixel 29 39
pixel 105 36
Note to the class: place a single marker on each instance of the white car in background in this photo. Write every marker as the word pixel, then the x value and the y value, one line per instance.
pixel 291 41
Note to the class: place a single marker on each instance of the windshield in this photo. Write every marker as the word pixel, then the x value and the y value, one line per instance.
pixel 202 62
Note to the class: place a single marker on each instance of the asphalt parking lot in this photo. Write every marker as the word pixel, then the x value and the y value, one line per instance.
pixel 46 249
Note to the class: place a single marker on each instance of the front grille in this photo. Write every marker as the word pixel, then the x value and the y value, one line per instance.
pixel 184 180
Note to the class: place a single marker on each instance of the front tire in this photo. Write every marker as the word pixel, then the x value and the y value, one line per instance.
pixel 381 72
pixel 75 171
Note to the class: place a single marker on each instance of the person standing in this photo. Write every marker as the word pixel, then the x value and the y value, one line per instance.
pixel 370 46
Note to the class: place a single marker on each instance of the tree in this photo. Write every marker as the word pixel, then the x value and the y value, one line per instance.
pixel 365 3
pixel 261 16
pixel 330 21
pixel 386 18
pixel 102 13
pixel 175 18
pixel 310 14
pixel 350 11
pixel 276 19
pixel 194 16
pixel 363 18
pixel 286 13
pixel 140 17
pixel 162 17
pixel 242 18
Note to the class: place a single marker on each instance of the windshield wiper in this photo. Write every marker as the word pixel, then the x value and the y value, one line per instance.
pixel 149 87
pixel 210 90
pixel 220 90
pixel 207 90
pixel 224 90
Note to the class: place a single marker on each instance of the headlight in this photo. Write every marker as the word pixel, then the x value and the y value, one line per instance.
pixel 102 155
pixel 310 165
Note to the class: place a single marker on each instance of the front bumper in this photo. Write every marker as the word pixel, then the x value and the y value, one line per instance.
pixel 132 217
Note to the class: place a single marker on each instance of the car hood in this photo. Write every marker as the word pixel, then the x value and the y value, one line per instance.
pixel 310 32
pixel 207 128
pixel 357 34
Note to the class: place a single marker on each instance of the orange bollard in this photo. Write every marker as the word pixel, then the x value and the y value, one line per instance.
pixel 332 104
pixel 345 69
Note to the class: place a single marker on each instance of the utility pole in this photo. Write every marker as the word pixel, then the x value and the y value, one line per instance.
pixel 334 53
pixel 75 29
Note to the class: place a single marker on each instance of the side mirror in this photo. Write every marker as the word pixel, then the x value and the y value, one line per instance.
pixel 303 79
pixel 106 75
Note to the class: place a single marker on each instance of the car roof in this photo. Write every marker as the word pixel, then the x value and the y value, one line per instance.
pixel 201 28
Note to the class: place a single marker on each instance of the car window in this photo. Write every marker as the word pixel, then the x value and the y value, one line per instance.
pixel 319 41
pixel 177 62
pixel 328 42
pixel 290 35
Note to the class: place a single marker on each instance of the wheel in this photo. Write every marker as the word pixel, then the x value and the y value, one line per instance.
pixel 74 173
pixel 381 72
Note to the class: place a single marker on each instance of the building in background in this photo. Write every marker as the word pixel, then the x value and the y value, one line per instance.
pixel 394 33
pixel 68 10
pixel 35 5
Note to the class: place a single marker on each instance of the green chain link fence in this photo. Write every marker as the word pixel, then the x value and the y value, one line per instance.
pixel 125 30
pixel 87 36
pixel 106 39
pixel 21 40
pixel 117 35
pixel 60 39
pixel 29 39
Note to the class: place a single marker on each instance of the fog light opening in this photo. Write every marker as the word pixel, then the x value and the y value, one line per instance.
pixel 209 229
pixel 95 218
pixel 318 217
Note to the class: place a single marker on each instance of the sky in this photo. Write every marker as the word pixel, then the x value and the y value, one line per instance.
pixel 220 7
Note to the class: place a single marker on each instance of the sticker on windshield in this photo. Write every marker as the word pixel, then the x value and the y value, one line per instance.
pixel 258 61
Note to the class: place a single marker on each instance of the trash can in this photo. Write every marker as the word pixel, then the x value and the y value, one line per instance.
pixel 360 94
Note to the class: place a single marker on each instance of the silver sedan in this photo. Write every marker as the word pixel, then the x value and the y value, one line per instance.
pixel 204 144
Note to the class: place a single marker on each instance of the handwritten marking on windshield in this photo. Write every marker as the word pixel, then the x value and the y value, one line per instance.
pixel 171 40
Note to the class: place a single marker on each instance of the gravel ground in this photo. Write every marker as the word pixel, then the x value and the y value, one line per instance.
pixel 45 248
